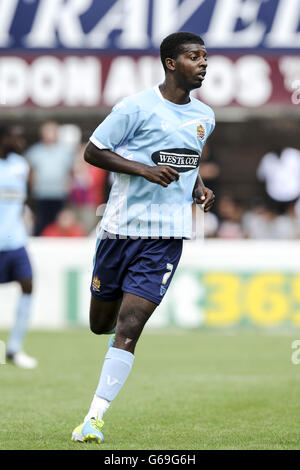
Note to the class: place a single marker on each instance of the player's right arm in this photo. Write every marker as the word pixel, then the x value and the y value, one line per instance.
pixel 111 161
pixel 121 126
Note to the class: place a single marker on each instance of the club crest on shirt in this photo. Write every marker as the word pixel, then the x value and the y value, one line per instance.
pixel 200 131
pixel 179 158
pixel 96 284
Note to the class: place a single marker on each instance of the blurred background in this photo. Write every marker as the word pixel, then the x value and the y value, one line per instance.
pixel 65 63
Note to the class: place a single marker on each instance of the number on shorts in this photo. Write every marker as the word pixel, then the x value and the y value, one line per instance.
pixel 167 274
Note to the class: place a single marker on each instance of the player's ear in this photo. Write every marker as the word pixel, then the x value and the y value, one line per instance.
pixel 170 64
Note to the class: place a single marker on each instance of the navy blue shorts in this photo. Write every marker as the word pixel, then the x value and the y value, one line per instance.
pixel 14 265
pixel 143 267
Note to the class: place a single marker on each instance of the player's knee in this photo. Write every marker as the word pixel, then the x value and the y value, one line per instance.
pixel 97 329
pixel 102 316
pixel 131 323
pixel 100 328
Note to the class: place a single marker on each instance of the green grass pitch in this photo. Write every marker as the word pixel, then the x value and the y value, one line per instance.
pixel 187 390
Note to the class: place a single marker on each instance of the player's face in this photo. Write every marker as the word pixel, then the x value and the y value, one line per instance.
pixel 191 66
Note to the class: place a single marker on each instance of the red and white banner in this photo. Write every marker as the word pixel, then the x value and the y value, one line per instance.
pixel 50 81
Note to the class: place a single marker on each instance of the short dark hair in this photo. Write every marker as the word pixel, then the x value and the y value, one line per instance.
pixel 171 46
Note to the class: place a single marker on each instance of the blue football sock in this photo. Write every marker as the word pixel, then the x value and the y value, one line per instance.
pixel 116 368
pixel 20 327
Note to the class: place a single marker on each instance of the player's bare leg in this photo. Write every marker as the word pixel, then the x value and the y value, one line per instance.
pixel 134 313
pixel 26 285
pixel 103 315
pixel 20 328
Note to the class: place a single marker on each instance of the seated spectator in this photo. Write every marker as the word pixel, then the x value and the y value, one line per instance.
pixel 288 224
pixel 65 225
pixel 230 212
pixel 263 222
pixel 280 171
pixel 258 222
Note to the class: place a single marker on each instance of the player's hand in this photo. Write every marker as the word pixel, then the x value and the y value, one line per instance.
pixel 163 175
pixel 205 197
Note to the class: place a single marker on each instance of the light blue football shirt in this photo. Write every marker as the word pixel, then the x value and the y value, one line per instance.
pixel 52 166
pixel 14 172
pixel 149 129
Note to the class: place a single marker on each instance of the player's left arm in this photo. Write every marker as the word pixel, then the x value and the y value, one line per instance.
pixel 203 195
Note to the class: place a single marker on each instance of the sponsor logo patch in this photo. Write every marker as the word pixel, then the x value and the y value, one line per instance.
pixel 96 284
pixel 200 131
pixel 180 159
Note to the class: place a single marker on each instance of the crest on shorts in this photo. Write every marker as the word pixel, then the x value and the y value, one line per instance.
pixel 200 131
pixel 96 284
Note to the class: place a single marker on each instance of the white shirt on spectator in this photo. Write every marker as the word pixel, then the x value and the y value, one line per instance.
pixel 281 174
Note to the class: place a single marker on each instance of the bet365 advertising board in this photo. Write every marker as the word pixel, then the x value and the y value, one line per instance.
pixel 218 284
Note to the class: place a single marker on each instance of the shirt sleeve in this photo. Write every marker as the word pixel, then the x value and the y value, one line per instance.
pixel 119 127
pixel 26 169
pixel 211 124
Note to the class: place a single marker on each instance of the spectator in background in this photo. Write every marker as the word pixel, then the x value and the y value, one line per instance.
pixel 230 212
pixel 88 190
pixel 210 170
pixel 288 224
pixel 51 164
pixel 17 133
pixel 65 225
pixel 258 222
pixel 261 222
pixel 280 171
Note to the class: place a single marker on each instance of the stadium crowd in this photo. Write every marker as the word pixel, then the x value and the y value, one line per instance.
pixel 65 191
